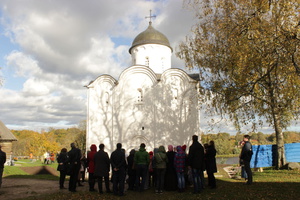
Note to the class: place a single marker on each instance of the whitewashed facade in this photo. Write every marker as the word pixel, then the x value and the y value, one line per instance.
pixel 150 102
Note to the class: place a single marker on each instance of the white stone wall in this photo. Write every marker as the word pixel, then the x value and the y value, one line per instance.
pixel 155 56
pixel 142 109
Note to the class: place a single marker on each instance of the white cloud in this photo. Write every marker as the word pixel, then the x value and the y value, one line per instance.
pixel 23 65
pixel 35 87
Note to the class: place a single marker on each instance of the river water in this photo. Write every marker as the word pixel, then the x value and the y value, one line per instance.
pixel 229 161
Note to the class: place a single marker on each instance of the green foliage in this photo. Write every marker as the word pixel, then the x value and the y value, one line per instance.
pixel 248 57
pixel 227 144
pixel 291 136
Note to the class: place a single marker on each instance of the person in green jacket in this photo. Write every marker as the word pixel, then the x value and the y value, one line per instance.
pixel 161 160
pixel 141 161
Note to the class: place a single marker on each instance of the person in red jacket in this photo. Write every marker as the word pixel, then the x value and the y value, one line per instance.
pixel 91 166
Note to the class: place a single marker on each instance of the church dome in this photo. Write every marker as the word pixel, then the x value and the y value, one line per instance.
pixel 150 36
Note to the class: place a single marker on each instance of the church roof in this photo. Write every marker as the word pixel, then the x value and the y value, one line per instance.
pixel 150 36
pixel 192 76
pixel 5 134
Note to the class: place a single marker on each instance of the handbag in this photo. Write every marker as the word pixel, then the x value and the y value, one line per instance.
pixel 69 168
pixel 61 167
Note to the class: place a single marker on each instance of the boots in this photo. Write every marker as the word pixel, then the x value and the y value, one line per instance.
pixel 79 184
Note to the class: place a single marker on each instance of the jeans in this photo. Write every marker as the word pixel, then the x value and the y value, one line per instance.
pixel 62 178
pixel 196 180
pixel 92 181
pixel 131 179
pixel 141 172
pixel 160 178
pixel 211 179
pixel 180 180
pixel 1 173
pixel 248 171
pixel 74 177
pixel 243 172
pixel 106 181
pixel 119 181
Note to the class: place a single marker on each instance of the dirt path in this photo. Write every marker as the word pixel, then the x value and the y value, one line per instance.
pixel 17 188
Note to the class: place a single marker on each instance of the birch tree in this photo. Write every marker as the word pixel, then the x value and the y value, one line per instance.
pixel 248 57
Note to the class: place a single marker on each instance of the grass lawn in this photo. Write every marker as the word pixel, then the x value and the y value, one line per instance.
pixel 17 171
pixel 270 184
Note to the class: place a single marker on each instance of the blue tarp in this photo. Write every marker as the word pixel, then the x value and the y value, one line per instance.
pixel 265 155
pixel 292 152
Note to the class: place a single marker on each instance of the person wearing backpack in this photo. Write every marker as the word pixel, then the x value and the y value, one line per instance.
pixel 141 161
pixel 246 156
pixel 161 161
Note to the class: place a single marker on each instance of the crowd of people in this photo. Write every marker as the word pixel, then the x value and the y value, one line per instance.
pixel 49 158
pixel 169 170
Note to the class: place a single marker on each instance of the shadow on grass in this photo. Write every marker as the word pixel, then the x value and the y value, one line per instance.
pixel 38 176
pixel 39 170
pixel 231 189
pixel 36 172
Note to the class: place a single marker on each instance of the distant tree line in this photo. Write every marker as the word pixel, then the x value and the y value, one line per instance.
pixel 52 140
pixel 229 144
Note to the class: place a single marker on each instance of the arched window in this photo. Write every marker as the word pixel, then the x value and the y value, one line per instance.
pixel 175 93
pixel 147 61
pixel 163 62
pixel 106 98
pixel 139 95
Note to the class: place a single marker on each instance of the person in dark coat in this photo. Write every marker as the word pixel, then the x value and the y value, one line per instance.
pixel 131 170
pixel 155 151
pixel 246 156
pixel 243 171
pixel 83 166
pixel 196 162
pixel 74 160
pixel 102 168
pixel 118 164
pixel 2 161
pixel 170 176
pixel 210 163
pixel 91 167
pixel 62 161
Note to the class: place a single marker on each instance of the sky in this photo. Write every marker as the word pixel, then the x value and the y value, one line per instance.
pixel 51 49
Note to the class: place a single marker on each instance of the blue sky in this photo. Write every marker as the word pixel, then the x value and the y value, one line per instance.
pixel 50 49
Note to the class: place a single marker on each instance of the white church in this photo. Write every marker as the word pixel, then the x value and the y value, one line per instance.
pixel 150 103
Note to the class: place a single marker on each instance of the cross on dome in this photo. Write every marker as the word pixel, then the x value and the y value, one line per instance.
pixel 151 16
